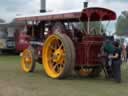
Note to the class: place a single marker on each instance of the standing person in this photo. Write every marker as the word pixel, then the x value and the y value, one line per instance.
pixel 116 62
pixel 124 53
pixel 108 49
pixel 127 52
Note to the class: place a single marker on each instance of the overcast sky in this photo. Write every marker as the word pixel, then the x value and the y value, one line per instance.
pixel 9 8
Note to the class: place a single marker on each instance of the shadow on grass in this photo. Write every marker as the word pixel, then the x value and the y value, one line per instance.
pixel 75 77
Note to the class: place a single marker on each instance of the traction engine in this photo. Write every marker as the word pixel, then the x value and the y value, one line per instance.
pixel 65 42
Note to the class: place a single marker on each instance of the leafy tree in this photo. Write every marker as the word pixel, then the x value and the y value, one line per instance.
pixel 122 24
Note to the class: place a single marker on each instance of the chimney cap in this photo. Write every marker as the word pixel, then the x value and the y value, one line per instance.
pixel 41 11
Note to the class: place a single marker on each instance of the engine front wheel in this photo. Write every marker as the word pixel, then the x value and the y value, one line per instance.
pixel 58 57
pixel 28 60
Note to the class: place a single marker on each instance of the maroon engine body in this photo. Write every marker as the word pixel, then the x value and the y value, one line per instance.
pixel 22 41
pixel 88 50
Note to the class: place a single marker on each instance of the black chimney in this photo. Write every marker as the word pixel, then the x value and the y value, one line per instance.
pixel 42 6
pixel 85 4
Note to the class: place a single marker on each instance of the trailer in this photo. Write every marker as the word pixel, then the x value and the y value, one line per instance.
pixel 64 42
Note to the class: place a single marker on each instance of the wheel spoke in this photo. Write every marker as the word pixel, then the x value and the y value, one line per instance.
pixel 57 43
pixel 54 67
pixel 53 47
pixel 63 54
pixel 58 68
pixel 61 45
pixel 61 67
pixel 51 58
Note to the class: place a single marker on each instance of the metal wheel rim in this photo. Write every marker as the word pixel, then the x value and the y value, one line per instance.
pixel 54 56
pixel 26 60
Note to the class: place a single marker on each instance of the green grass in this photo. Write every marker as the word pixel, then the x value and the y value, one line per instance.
pixel 14 82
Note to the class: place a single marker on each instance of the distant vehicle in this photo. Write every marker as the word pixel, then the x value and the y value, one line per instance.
pixel 11 37
pixel 7 43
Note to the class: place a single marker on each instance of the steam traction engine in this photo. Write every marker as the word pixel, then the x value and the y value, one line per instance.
pixel 64 42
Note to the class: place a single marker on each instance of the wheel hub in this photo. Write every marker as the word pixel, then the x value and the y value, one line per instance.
pixel 27 60
pixel 58 56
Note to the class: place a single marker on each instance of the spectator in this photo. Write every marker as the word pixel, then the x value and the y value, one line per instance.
pixel 116 62
pixel 107 50
pixel 127 52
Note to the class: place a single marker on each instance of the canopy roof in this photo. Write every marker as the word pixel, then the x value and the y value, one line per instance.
pixel 96 14
pixel 91 14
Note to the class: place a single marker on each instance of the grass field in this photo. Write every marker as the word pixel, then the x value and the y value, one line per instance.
pixel 14 82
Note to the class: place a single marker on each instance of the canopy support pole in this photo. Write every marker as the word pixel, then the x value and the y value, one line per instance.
pixel 88 26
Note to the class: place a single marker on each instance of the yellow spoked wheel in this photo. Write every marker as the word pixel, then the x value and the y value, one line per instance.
pixel 58 56
pixel 27 60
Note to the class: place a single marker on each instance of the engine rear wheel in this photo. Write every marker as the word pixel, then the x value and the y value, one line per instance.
pixel 58 56
pixel 73 53
pixel 27 60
